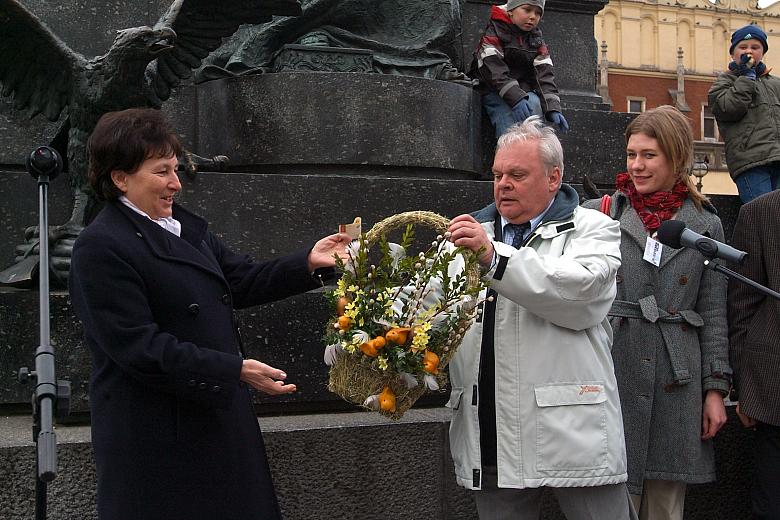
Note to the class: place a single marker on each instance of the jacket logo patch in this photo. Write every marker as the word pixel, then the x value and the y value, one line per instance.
pixel 589 389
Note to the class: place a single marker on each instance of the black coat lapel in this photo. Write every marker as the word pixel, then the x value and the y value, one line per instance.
pixel 163 244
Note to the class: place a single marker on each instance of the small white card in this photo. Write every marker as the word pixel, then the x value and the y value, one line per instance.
pixel 653 250
pixel 353 230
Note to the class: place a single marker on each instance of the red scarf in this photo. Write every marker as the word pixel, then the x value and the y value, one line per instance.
pixel 655 207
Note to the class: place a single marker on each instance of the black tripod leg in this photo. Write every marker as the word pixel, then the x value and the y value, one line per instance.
pixel 40 497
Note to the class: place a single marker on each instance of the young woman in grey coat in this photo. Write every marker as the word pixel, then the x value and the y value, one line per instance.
pixel 669 320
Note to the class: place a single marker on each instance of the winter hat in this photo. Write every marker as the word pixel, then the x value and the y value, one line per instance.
pixel 511 4
pixel 748 32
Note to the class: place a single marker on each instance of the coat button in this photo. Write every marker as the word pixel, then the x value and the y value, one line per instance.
pixel 226 299
pixel 203 386
pixel 216 389
pixel 683 280
pixel 618 278
pixel 194 308
pixel 191 382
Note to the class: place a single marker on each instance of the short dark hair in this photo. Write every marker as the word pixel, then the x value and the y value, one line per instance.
pixel 123 141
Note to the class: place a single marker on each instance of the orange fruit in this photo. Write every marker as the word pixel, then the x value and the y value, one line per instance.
pixel 378 342
pixel 368 349
pixel 387 400
pixel 344 322
pixel 430 362
pixel 398 335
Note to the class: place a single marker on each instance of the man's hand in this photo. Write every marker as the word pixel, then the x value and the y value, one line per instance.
pixel 522 110
pixel 468 233
pixel 557 119
pixel 713 414
pixel 747 422
pixel 265 378
pixel 324 252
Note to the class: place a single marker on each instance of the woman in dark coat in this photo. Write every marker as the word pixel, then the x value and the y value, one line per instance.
pixel 669 320
pixel 173 428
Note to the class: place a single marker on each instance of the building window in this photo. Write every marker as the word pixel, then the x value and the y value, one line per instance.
pixel 709 128
pixel 636 105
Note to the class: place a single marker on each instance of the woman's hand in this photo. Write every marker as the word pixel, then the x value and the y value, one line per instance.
pixel 713 414
pixel 324 252
pixel 265 378
pixel 467 232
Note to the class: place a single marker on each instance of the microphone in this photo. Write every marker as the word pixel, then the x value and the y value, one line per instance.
pixel 674 234
pixel 44 161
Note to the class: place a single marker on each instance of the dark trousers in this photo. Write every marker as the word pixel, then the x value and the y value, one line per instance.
pixel 765 494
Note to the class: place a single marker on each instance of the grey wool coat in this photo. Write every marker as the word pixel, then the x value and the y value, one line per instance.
pixel 669 348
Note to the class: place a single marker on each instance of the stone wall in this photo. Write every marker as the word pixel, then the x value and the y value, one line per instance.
pixel 345 466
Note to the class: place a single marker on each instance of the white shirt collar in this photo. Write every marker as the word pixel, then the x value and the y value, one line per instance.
pixel 167 223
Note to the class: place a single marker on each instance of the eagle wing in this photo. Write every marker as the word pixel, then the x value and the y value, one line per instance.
pixel 200 26
pixel 35 66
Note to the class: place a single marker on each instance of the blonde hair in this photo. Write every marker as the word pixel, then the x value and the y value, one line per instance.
pixel 672 130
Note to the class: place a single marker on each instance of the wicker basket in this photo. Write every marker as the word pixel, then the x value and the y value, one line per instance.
pixel 352 377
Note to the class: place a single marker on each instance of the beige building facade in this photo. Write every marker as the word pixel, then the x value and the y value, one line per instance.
pixel 652 49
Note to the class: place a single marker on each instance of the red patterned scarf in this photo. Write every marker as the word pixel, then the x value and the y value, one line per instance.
pixel 655 207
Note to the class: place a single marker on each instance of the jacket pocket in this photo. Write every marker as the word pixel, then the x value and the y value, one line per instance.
pixel 571 426
pixel 460 434
pixel 455 396
pixel 746 134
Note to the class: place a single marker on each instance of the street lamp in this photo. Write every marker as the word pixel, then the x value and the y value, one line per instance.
pixel 699 170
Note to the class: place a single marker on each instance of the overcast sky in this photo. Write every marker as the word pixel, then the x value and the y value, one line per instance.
pixel 764 3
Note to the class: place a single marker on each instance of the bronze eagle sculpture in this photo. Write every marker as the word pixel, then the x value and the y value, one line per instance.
pixel 143 65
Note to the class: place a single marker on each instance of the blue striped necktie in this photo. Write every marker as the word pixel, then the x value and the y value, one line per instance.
pixel 519 232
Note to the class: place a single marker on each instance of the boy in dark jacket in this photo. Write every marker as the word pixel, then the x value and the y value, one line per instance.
pixel 744 102
pixel 513 66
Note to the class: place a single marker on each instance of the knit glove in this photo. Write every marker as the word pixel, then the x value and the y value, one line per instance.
pixel 522 110
pixel 745 67
pixel 557 119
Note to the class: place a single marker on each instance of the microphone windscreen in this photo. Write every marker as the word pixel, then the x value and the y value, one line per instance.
pixel 670 232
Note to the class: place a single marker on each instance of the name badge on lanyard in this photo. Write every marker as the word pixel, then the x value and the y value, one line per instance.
pixel 653 250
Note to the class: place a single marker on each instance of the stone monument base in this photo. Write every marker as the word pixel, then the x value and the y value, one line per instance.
pixel 355 466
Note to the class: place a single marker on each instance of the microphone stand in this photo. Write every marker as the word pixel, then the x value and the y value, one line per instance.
pixel 45 164
pixel 709 264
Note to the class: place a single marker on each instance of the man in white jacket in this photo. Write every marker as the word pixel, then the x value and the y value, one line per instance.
pixel 534 397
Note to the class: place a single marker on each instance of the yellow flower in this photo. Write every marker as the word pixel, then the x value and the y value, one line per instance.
pixel 340 287
pixel 348 347
pixel 382 362
pixel 420 339
pixel 351 309
pixel 352 288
